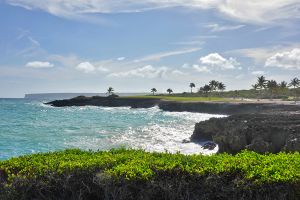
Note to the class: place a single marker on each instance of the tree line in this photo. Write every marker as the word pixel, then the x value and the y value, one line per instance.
pixel 261 85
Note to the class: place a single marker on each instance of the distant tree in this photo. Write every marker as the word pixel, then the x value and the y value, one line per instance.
pixel 110 90
pixel 272 86
pixel 295 83
pixel 213 85
pixel 255 86
pixel 221 86
pixel 283 85
pixel 192 85
pixel 261 82
pixel 206 88
pixel 169 90
pixel 153 90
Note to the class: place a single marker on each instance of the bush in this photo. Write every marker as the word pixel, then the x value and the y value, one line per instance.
pixel 136 174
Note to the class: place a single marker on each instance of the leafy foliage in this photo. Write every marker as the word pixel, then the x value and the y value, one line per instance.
pixel 141 165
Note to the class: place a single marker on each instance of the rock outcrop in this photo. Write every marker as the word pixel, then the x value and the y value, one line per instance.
pixel 271 132
pixel 174 106
pixel 106 102
pixel 253 126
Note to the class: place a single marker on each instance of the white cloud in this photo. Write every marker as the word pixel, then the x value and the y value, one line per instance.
pixel 201 69
pixel 102 69
pixel 159 56
pixel 185 66
pixel 254 11
pixel 87 67
pixel 258 73
pixel 121 58
pixel 147 71
pixel 178 73
pixel 215 60
pixel 287 59
pixel 219 28
pixel 39 64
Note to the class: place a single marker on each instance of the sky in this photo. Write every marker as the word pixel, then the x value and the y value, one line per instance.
pixel 89 45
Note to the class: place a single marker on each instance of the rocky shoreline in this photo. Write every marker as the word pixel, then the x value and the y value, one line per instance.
pixel 254 126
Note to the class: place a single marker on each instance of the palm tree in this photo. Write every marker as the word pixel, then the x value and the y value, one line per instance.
pixel 261 83
pixel 283 85
pixel 295 82
pixel 221 86
pixel 192 85
pixel 272 85
pixel 110 90
pixel 169 91
pixel 206 88
pixel 153 90
pixel 213 85
pixel 255 86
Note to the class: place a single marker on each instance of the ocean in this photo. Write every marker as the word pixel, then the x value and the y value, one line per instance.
pixel 29 126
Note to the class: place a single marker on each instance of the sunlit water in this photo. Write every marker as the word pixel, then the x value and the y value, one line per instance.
pixel 30 127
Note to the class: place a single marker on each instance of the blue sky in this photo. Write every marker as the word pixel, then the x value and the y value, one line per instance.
pixel 89 45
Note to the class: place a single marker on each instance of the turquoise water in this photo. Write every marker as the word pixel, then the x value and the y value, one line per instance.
pixel 28 126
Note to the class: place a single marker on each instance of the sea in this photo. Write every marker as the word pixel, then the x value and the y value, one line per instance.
pixel 29 126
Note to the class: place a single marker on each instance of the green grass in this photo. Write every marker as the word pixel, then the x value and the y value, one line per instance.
pixel 187 99
pixel 141 165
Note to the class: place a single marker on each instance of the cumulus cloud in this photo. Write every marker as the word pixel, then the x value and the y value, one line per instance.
pixel 201 69
pixel 254 11
pixel 215 60
pixel 219 28
pixel 39 64
pixel 258 73
pixel 87 67
pixel 286 60
pixel 147 71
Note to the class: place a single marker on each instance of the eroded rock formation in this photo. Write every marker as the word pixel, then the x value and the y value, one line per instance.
pixel 270 132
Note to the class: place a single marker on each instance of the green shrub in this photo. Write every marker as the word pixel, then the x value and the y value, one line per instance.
pixel 137 167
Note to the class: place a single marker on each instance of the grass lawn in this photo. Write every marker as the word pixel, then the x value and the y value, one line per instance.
pixel 177 98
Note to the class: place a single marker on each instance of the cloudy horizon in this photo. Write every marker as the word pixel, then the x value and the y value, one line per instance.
pixel 133 46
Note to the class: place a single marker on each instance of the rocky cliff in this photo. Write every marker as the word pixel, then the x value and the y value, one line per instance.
pixel 271 132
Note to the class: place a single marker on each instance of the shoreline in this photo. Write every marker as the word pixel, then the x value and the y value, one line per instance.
pixel 259 127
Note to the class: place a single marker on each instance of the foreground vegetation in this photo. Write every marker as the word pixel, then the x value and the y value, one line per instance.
pixel 136 174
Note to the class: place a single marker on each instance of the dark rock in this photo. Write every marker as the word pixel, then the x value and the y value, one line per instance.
pixel 173 106
pixel 272 132
pixel 186 141
pixel 111 101
pixel 209 145
pixel 254 126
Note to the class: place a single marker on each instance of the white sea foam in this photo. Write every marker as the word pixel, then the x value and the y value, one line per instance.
pixel 167 135
pixel 145 128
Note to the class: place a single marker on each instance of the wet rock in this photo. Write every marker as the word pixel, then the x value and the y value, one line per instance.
pixel 209 145
pixel 186 141
pixel 272 132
